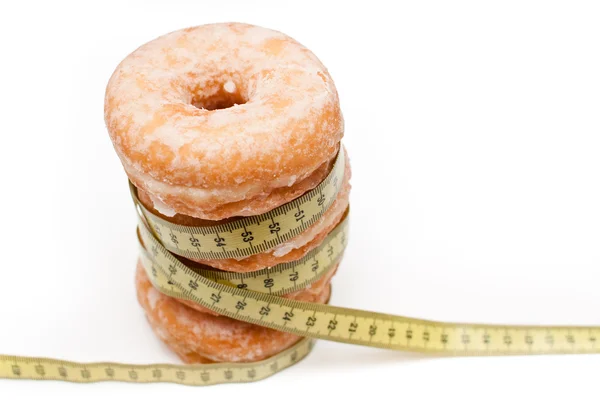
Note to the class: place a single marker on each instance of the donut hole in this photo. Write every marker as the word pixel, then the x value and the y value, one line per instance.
pixel 224 95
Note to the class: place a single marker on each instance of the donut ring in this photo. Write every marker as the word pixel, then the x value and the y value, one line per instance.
pixel 223 119
pixel 199 337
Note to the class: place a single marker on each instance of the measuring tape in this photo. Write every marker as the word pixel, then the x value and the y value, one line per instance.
pixel 253 297
pixel 281 279
pixel 12 367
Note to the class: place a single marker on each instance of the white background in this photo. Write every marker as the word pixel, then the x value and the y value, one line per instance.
pixel 474 135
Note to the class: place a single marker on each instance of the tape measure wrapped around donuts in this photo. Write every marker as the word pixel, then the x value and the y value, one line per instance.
pixel 215 125
pixel 230 136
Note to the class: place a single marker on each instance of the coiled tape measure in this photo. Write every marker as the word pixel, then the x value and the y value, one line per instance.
pixel 253 297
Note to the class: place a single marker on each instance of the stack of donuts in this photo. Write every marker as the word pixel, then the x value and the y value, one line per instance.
pixel 216 123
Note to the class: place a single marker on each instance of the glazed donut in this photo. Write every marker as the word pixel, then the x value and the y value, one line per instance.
pixel 200 337
pixel 223 120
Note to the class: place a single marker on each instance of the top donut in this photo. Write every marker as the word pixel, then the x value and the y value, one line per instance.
pixel 223 119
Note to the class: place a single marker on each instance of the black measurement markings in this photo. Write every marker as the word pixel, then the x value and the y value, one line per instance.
pixel 315 266
pixel 507 339
pixel 62 371
pixel 311 321
pixel 173 238
pixel 352 328
pixel 321 198
pixel 205 376
pixel 265 311
pixel 391 332
pixel 269 282
pixel 195 242
pixel 288 315
pixel 275 228
pixel 215 297
pixel 220 242
pixel 444 337
pixel 330 251
pixel 426 337
pixel 300 215
pixel 242 285
pixel 372 329
pixel 247 237
pixel 157 373
pixel 241 305
pixel 40 370
pixel 294 276
pixel 193 284
pixel 332 326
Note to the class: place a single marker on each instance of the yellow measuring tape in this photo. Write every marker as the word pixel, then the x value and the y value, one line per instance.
pixel 13 367
pixel 253 297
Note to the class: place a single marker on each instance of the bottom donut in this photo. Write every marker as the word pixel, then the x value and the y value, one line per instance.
pixel 201 337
